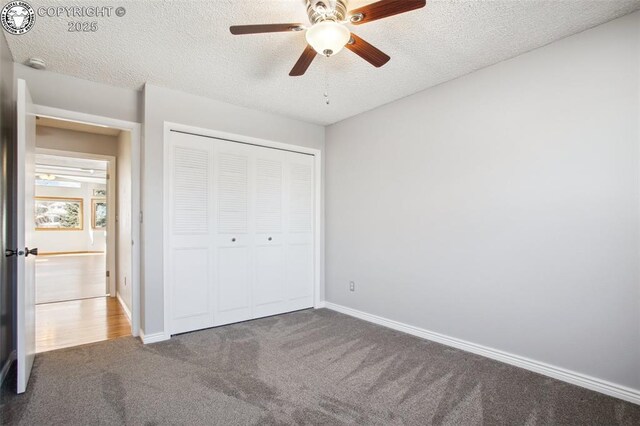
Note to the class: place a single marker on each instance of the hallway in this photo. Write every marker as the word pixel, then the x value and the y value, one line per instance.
pixel 78 322
pixel 72 307
pixel 62 277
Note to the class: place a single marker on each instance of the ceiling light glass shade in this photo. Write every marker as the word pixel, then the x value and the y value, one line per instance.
pixel 328 37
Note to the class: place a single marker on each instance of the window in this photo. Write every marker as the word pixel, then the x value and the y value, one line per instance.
pixel 98 213
pixel 58 214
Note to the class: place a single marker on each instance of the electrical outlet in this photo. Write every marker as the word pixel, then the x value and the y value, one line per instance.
pixel 352 286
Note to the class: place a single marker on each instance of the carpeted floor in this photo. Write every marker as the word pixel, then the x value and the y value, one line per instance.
pixel 308 367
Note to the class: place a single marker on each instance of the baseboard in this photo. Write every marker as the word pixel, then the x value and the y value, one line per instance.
pixel 592 383
pixel 321 304
pixel 152 338
pixel 125 308
pixel 7 366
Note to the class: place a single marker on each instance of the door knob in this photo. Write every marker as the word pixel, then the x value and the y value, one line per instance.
pixel 269 238
pixel 9 252
pixel 233 240
pixel 33 251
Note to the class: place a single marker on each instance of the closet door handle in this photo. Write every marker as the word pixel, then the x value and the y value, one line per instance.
pixel 269 238
pixel 33 251
pixel 233 240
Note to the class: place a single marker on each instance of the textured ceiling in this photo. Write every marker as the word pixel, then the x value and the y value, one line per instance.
pixel 186 45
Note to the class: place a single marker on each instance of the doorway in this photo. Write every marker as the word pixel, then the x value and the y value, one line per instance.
pixel 82 293
pixel 71 228
pixel 21 246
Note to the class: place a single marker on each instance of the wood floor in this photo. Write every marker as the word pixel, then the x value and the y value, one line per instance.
pixel 78 322
pixel 70 277
pixel 62 322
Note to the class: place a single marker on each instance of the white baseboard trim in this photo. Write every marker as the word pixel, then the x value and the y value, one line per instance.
pixel 7 366
pixel 125 308
pixel 321 304
pixel 153 338
pixel 592 383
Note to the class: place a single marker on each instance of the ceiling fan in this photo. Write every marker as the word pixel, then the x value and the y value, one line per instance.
pixel 328 33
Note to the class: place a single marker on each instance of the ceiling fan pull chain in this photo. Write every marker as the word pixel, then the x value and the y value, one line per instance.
pixel 326 83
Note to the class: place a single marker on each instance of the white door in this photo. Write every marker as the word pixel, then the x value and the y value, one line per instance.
pixel 234 233
pixel 299 223
pixel 190 252
pixel 240 232
pixel 25 163
pixel 269 286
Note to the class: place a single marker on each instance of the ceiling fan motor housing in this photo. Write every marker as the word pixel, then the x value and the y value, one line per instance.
pixel 323 10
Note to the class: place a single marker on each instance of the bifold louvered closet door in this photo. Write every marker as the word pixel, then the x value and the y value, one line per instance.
pixel 240 232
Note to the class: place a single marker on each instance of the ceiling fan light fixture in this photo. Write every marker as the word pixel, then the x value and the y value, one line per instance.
pixel 328 37
pixel 328 34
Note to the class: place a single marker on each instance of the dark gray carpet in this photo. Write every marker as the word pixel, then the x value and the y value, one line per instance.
pixel 308 367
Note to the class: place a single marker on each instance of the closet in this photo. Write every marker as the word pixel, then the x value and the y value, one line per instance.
pixel 240 231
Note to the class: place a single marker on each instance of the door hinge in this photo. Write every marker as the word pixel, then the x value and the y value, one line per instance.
pixel 140 217
pixel 108 274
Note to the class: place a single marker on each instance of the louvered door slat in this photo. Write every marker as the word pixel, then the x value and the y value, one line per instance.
pixel 190 191
pixel 300 197
pixel 232 193
pixel 269 196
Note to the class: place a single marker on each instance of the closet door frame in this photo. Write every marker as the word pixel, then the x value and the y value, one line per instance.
pixel 318 230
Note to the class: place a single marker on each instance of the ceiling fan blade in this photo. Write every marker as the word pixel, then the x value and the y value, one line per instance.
pixel 383 9
pixel 264 28
pixel 366 51
pixel 303 62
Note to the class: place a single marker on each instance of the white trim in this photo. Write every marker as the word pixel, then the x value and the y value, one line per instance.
pixel 592 383
pixel 153 338
pixel 321 304
pixel 318 231
pixel 136 143
pixel 7 366
pixel 125 308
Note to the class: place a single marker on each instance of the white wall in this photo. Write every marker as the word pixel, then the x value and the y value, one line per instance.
pixel 75 94
pixel 87 239
pixel 123 280
pixel 502 207
pixel 154 107
pixel 162 105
